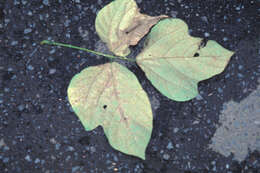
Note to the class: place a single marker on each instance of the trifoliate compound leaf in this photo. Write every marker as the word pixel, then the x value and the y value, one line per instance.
pixel 175 62
pixel 120 24
pixel 111 96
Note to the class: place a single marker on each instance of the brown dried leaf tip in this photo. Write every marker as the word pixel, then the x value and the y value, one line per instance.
pixel 120 24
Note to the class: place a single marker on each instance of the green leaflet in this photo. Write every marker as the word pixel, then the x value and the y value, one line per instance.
pixel 120 24
pixel 175 62
pixel 111 96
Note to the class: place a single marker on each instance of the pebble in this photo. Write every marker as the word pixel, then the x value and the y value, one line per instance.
pixel 225 39
pixel 68 35
pixel 198 97
pixel 7 89
pixel 76 18
pixel 220 90
pixel 30 67
pixel 21 107
pixel 170 146
pixel 174 13
pixel 237 8
pixel 27 31
pixel 68 158
pixel 29 13
pixel 14 43
pixel 67 23
pixel 227 166
pixel 92 149
pixel 2 143
pixel 240 67
pixel 175 130
pixel 70 109
pixel 240 75
pixel 24 2
pixel 37 161
pixel 52 71
pixel 206 34
pixel 57 146
pixel 115 158
pixel 28 158
pixel 204 19
pixel 52 51
pixel 70 148
pixel 5 160
pixel 166 156
pixel 75 168
pixel 10 69
pixel 45 2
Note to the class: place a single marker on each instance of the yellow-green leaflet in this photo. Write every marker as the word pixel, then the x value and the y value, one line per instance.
pixel 111 96
pixel 120 24
pixel 175 62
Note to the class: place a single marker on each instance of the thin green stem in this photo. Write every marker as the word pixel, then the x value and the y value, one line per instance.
pixel 84 49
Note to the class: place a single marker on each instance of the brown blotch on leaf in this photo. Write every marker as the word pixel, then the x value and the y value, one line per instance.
pixel 139 27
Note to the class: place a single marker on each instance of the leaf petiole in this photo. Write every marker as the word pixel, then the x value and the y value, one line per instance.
pixel 85 49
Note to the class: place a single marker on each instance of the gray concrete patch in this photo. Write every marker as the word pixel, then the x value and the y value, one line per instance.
pixel 240 128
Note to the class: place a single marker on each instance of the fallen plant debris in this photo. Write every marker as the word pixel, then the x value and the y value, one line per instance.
pixel 111 96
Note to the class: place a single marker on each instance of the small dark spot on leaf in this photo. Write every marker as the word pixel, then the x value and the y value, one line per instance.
pixel 196 54
pixel 105 106
pixel 203 43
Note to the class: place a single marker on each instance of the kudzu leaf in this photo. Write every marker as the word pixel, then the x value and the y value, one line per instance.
pixel 111 96
pixel 120 24
pixel 175 62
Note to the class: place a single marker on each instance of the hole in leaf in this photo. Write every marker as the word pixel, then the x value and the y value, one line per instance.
pixel 203 43
pixel 196 54
pixel 105 106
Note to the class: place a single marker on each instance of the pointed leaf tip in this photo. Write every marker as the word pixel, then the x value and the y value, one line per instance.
pixel 175 62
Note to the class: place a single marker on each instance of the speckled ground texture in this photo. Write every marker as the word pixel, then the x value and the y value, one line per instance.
pixel 40 133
